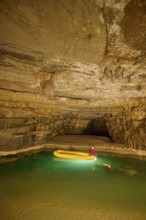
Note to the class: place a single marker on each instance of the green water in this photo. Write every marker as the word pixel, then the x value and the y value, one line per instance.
pixel 38 187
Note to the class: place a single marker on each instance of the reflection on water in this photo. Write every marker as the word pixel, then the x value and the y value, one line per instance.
pixel 40 186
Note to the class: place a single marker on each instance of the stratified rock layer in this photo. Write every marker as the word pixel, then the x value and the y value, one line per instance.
pixel 70 29
pixel 71 68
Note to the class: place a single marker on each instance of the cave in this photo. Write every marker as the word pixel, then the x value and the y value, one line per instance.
pixel 72 67
pixel 72 109
pixel 96 127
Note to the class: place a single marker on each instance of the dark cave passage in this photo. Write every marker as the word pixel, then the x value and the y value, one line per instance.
pixel 97 127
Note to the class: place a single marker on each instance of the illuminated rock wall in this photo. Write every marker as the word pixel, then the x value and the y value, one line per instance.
pixel 72 67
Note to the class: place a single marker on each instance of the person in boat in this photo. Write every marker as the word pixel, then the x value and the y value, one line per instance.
pixel 92 151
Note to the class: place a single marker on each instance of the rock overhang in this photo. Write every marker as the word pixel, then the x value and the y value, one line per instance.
pixel 65 64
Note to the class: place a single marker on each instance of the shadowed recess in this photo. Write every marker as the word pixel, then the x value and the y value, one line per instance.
pixel 97 127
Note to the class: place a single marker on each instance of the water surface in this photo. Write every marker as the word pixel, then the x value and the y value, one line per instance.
pixel 39 186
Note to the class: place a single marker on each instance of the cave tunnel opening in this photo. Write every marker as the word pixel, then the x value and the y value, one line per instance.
pixel 97 127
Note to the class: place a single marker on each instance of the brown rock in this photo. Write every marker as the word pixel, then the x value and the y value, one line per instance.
pixel 72 67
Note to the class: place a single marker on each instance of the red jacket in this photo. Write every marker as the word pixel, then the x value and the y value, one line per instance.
pixel 92 151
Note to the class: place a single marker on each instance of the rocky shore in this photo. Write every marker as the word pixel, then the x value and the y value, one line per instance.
pixel 81 142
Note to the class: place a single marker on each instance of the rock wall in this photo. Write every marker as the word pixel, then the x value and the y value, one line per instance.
pixel 72 67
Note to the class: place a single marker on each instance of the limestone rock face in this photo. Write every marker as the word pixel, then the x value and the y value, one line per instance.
pixel 68 29
pixel 72 67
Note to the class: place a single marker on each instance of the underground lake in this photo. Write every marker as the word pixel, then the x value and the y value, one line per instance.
pixel 41 186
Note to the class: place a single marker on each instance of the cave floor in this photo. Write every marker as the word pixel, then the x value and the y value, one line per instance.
pixel 85 142
pixel 81 142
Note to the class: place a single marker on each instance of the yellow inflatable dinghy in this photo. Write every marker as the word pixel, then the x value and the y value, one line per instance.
pixel 73 155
